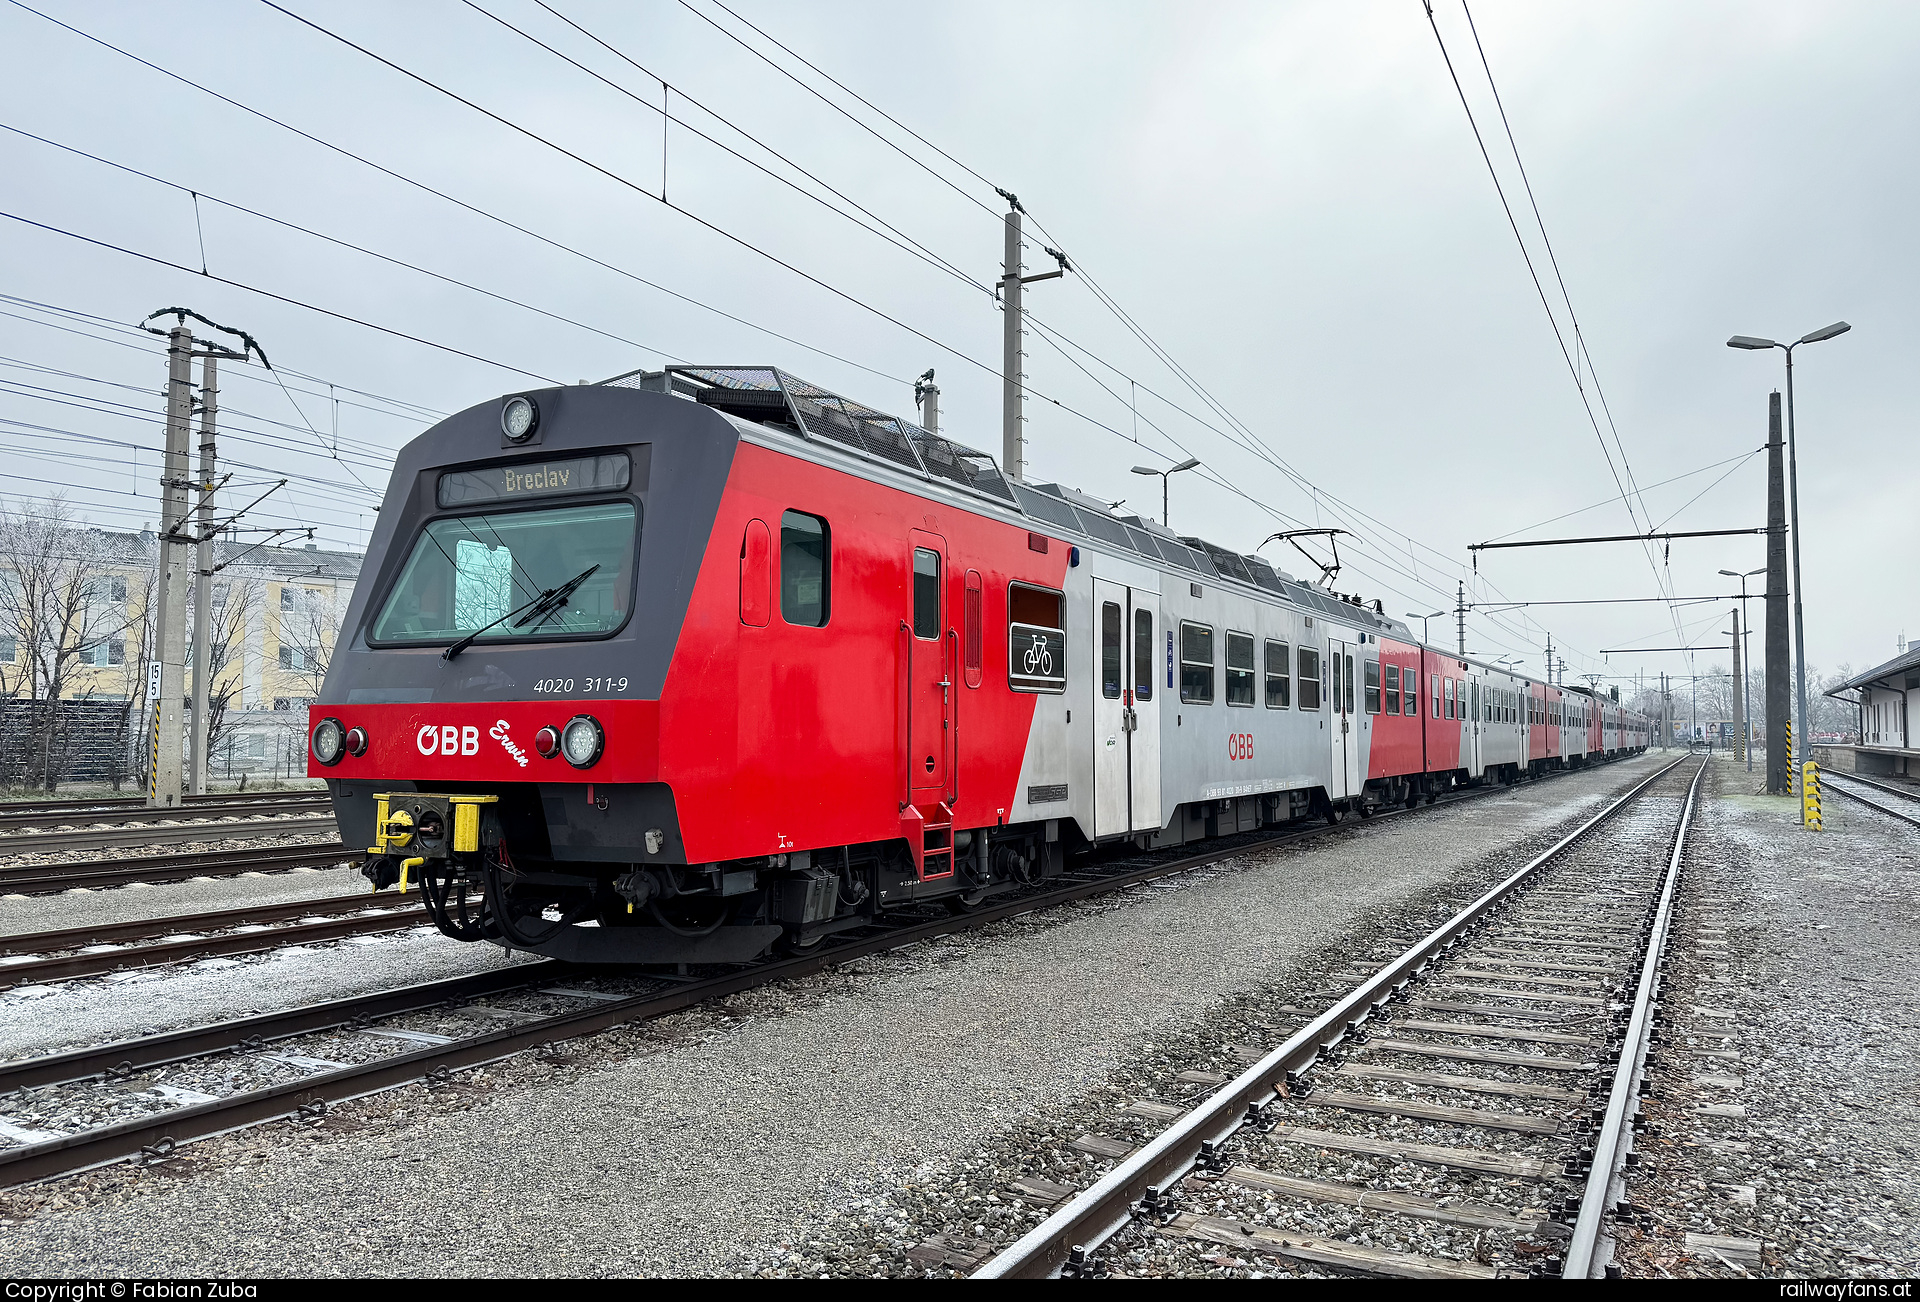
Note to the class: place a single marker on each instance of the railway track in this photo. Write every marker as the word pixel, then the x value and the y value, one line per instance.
pixel 108 838
pixel 117 803
pixel 1465 1112
pixel 1906 806
pixel 299 1061
pixel 100 874
pixel 82 813
pixel 108 947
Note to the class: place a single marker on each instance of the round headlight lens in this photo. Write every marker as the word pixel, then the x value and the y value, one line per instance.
pixel 546 742
pixel 518 418
pixel 329 741
pixel 582 740
pixel 356 742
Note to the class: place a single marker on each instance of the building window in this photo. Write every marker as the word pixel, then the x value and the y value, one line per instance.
pixel 286 597
pixel 9 650
pixel 1371 688
pixel 1309 678
pixel 1279 676
pixel 1239 668
pixel 1036 640
pixel 1392 675
pixel 806 571
pixel 1110 632
pixel 1143 655
pixel 1196 664
pixel 116 651
pixel 298 659
pixel 219 596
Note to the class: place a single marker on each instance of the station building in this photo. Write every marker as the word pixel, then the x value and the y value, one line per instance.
pixel 1888 698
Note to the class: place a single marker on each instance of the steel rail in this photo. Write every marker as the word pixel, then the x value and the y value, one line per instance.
pixel 105 838
pixel 96 874
pixel 1826 780
pixel 1091 1217
pixel 129 1056
pixel 214 801
pixel 1910 792
pixel 163 1132
pixel 119 933
pixel 1614 1140
pixel 69 966
pixel 85 817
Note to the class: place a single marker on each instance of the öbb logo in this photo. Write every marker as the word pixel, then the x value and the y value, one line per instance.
pixel 435 739
pixel 1239 745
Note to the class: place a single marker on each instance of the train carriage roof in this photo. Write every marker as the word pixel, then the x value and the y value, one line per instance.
pixel 773 398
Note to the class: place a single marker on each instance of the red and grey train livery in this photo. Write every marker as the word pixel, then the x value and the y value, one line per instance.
pixel 672 668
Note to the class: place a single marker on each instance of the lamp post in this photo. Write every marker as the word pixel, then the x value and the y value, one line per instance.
pixel 1746 701
pixel 1793 496
pixel 1188 464
pixel 1423 623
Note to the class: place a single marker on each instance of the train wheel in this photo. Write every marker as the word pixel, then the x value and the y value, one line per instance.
pixel 966 903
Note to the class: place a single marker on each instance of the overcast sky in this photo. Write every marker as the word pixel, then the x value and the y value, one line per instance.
pixel 1288 199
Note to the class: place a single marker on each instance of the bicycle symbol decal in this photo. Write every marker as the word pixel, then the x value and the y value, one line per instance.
pixel 1039 659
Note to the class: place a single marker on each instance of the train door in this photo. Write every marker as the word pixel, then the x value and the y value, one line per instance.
pixel 1342 721
pixel 1126 731
pixel 1476 730
pixel 930 683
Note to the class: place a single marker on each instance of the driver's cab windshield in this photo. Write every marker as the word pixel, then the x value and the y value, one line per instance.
pixel 467 572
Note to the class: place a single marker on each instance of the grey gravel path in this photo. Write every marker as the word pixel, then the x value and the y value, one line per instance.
pixel 717 1136
pixel 1796 1013
pixel 79 908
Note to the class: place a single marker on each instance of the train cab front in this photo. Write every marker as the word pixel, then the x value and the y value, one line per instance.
pixel 489 724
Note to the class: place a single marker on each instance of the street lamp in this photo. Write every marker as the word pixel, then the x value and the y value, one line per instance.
pixel 1423 623
pixel 1746 702
pixel 1188 464
pixel 1793 489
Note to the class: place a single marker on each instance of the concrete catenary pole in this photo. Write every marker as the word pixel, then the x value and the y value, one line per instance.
pixel 1012 386
pixel 170 628
pixel 203 618
pixel 1779 682
pixel 1739 682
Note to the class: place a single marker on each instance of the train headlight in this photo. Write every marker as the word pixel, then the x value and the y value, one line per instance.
pixel 329 741
pixel 546 742
pixel 518 418
pixel 356 742
pixel 582 740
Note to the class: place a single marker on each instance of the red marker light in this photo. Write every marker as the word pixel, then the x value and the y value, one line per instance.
pixel 356 742
pixel 547 742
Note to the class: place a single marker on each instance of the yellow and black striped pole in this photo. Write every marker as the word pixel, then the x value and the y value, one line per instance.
pixel 1810 796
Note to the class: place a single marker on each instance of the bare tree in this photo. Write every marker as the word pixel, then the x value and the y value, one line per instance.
pixel 66 609
pixel 234 603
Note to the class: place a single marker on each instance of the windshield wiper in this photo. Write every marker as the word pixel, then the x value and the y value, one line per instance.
pixel 551 600
pixel 538 606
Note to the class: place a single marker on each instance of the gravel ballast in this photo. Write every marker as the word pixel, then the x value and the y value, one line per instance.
pixel 796 1129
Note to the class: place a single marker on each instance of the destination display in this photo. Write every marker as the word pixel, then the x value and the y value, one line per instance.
pixel 529 479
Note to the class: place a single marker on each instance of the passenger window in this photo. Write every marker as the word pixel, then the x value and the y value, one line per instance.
pixel 972 635
pixel 1309 678
pixel 1434 693
pixel 1143 655
pixel 926 593
pixel 1036 643
pixel 1110 650
pixel 1392 676
pixel 1333 681
pixel 1449 698
pixel 1279 676
pixel 1346 701
pixel 1372 686
pixel 1239 668
pixel 756 574
pixel 1196 664
pixel 805 574
pixel 1413 692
